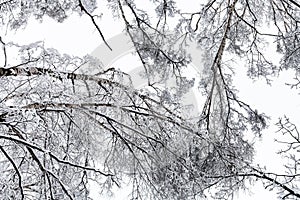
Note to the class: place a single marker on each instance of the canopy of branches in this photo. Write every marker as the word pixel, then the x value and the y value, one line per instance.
pixel 68 123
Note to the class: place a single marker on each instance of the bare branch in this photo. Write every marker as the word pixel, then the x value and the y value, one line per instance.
pixel 94 22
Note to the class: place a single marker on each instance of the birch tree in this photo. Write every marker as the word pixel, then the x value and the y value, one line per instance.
pixel 64 127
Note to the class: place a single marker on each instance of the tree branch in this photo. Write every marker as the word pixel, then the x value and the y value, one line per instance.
pixel 94 22
pixel 16 170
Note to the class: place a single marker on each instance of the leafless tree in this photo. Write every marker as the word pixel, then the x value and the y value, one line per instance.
pixel 64 128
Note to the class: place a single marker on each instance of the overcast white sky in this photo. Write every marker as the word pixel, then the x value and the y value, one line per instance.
pixel 77 36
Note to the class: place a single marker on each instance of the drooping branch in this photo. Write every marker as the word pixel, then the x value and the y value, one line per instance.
pixel 32 146
pixel 16 170
pixel 277 183
pixel 94 23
